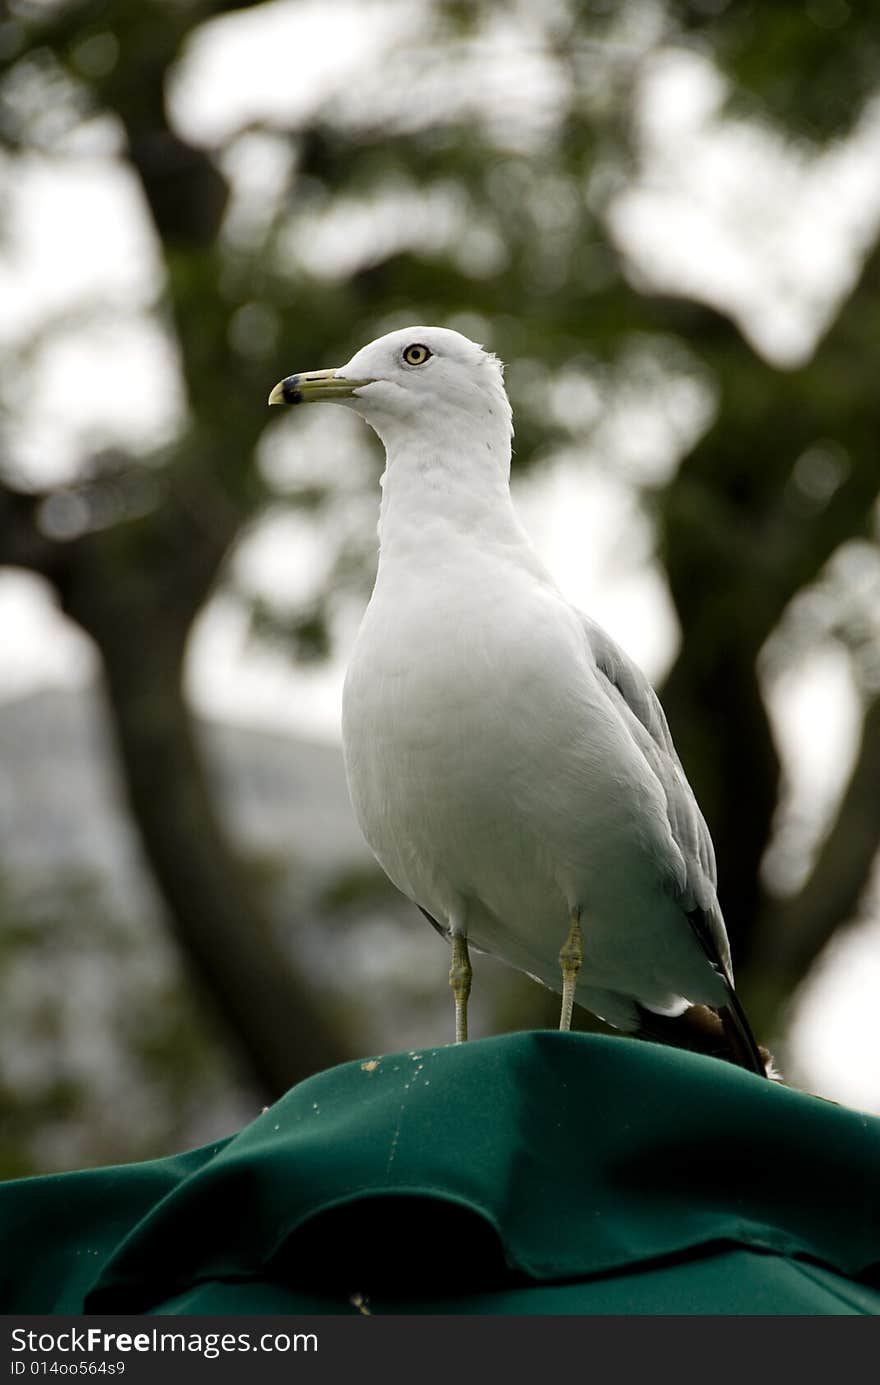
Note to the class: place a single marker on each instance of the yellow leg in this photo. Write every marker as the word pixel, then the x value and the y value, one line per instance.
pixel 460 980
pixel 571 956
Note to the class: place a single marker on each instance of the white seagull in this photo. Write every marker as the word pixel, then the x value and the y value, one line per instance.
pixel 510 767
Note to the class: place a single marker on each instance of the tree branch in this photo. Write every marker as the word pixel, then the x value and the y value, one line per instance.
pixel 793 933
pixel 135 588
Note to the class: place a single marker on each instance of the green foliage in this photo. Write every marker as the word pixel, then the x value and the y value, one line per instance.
pixel 810 68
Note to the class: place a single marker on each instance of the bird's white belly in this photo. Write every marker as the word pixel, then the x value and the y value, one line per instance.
pixel 499 819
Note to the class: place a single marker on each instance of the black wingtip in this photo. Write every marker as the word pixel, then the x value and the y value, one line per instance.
pixel 742 1043
pixel 723 1034
pixel 739 1039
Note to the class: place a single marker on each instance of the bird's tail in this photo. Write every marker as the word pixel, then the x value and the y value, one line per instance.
pixel 725 1034
pixel 738 1043
pixel 740 1040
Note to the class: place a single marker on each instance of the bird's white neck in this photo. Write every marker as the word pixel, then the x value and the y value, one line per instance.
pixel 452 479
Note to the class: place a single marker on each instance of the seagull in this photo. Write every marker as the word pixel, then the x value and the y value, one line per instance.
pixel 510 767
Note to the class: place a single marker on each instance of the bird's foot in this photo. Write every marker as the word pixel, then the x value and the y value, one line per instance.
pixel 460 974
pixel 571 955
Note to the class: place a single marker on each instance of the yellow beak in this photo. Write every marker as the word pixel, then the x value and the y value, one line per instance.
pixel 314 387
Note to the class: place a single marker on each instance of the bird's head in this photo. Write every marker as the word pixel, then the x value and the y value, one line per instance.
pixel 418 379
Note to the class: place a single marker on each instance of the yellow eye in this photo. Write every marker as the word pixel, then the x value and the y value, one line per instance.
pixel 416 354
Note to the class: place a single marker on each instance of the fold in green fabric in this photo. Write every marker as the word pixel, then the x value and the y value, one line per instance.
pixel 534 1172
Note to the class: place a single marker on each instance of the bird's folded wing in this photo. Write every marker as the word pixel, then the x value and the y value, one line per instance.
pixel 646 721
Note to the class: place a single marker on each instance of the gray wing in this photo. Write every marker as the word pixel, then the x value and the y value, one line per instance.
pixel 640 708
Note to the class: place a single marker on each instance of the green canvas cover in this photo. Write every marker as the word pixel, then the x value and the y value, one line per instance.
pixel 530 1173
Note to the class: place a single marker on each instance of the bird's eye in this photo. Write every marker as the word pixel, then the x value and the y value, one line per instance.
pixel 416 354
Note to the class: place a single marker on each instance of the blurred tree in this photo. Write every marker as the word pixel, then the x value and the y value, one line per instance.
pixel 163 1077
pixel 490 210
